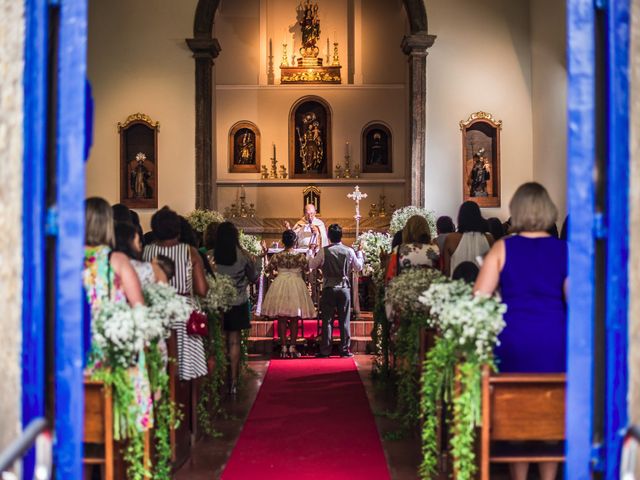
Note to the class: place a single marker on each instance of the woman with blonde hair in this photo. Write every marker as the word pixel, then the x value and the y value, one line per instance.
pixel 530 268
pixel 107 275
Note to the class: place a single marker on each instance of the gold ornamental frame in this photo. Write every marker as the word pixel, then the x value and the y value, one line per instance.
pixel 235 128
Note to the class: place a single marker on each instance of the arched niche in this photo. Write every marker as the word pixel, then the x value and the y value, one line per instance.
pixel 310 138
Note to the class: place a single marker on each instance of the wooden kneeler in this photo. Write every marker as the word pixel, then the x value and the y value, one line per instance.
pixel 522 407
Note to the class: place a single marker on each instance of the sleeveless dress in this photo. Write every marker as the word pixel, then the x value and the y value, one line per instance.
pixel 191 355
pixel 101 284
pixel 531 282
pixel 288 295
pixel 471 246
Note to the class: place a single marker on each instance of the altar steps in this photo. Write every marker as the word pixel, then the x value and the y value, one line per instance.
pixel 262 341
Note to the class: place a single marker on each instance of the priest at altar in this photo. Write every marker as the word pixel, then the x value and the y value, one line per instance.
pixel 310 229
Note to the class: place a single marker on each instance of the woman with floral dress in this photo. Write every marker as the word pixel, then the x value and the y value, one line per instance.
pixel 288 298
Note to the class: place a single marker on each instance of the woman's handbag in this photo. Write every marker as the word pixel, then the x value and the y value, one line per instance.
pixel 198 324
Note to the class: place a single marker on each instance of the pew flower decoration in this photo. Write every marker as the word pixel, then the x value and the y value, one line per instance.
pixel 165 309
pixel 373 244
pixel 200 219
pixel 118 334
pixel 403 292
pixel 221 295
pixel 250 243
pixel 400 217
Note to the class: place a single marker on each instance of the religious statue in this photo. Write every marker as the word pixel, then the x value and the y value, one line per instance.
pixel 247 149
pixel 480 174
pixel 310 27
pixel 139 178
pixel 377 150
pixel 311 149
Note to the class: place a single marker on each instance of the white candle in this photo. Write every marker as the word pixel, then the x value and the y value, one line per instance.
pixel 347 149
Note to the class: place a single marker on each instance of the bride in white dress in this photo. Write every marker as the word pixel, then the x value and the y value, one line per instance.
pixel 288 298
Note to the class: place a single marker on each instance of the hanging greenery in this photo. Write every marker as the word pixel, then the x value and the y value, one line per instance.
pixel 468 327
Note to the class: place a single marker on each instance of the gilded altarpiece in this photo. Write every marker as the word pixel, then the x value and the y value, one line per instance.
pixel 139 161
pixel 481 159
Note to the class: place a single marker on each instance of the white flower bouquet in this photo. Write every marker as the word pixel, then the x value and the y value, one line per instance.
pixel 473 322
pixel 400 217
pixel 200 219
pixel 403 292
pixel 250 243
pixel 165 309
pixel 118 333
pixel 373 244
pixel 221 295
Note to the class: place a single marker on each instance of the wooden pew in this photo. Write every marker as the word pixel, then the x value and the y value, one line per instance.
pixel 522 407
pixel 98 427
pixel 181 393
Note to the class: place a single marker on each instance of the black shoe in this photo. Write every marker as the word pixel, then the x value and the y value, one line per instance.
pixel 346 354
pixel 321 355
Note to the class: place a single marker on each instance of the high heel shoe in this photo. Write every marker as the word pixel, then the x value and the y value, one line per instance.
pixel 233 389
pixel 283 352
pixel 293 353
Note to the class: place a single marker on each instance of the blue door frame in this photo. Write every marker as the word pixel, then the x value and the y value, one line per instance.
pixel 586 454
pixel 62 220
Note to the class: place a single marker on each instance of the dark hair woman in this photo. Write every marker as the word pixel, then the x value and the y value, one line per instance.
pixel 444 226
pixel 496 228
pixel 469 242
pixel 244 269
pixel 189 280
pixel 121 213
pixel 288 299
pixel 128 242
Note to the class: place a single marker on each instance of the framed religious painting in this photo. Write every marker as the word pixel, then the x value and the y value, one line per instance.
pixel 310 139
pixel 139 161
pixel 376 148
pixel 244 148
pixel 481 159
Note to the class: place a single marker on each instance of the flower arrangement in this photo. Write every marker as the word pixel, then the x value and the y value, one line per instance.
pixel 250 243
pixel 165 308
pixel 400 217
pixel 403 292
pixel 200 219
pixel 221 295
pixel 468 327
pixel 373 244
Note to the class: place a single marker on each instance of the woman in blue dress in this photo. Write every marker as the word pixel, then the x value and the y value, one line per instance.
pixel 530 269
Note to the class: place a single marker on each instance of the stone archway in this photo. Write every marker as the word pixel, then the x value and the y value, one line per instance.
pixel 205 49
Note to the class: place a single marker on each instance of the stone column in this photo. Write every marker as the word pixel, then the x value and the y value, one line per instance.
pixel 415 46
pixel 205 51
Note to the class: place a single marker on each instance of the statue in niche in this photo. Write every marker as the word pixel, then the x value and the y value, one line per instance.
pixel 247 149
pixel 480 174
pixel 376 148
pixel 311 149
pixel 139 178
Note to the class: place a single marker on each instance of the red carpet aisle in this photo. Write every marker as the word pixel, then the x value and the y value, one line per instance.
pixel 311 420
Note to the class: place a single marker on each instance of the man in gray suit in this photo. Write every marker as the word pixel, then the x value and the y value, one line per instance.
pixel 338 263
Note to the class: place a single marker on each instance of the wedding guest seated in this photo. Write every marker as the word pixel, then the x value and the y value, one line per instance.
pixel 189 280
pixel 416 249
pixel 232 260
pixel 469 242
pixel 496 228
pixel 444 226
pixel 530 268
pixel 466 271
pixel 128 242
pixel 288 299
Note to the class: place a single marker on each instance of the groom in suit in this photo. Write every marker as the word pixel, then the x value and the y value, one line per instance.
pixel 338 263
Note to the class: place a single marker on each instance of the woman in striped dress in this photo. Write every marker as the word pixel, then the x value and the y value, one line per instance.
pixel 189 280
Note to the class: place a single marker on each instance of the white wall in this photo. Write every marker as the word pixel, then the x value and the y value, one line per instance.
pixel 11 149
pixel 481 60
pixel 139 62
pixel 549 100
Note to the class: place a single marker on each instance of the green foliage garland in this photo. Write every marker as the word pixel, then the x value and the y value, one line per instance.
pixel 380 336
pixel 406 350
pixel 209 405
